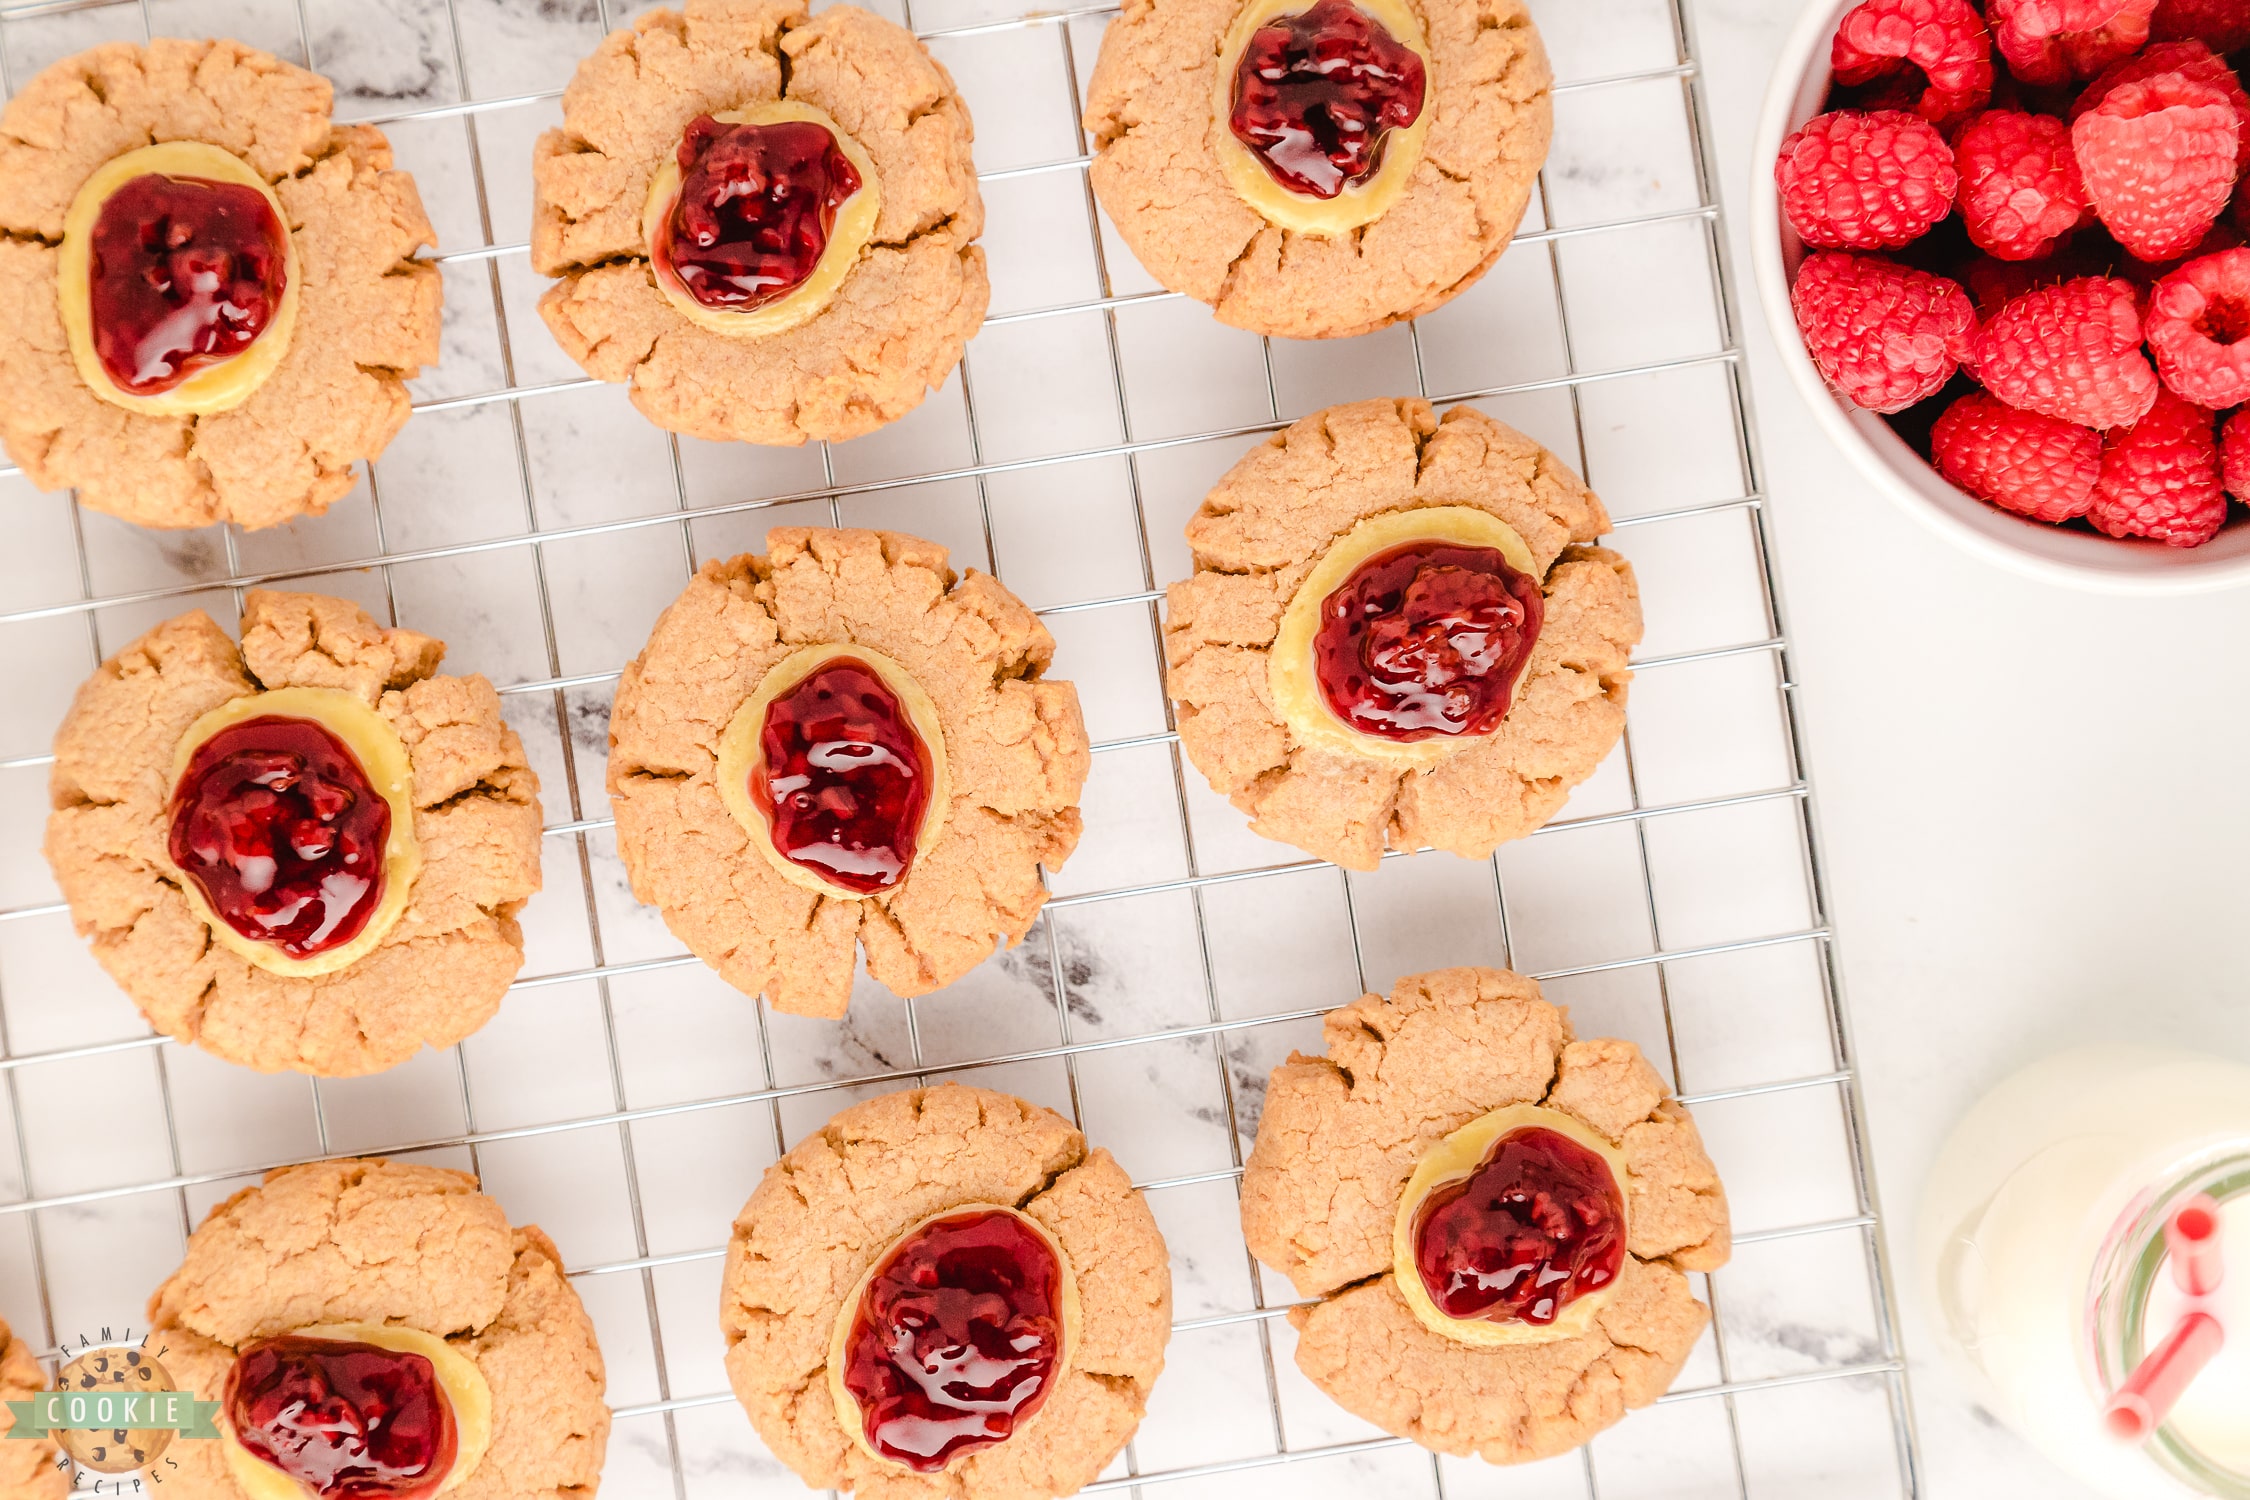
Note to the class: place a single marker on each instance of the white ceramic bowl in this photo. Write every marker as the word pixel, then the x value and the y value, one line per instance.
pixel 2053 553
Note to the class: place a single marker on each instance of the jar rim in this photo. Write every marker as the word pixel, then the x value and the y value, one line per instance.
pixel 2114 1333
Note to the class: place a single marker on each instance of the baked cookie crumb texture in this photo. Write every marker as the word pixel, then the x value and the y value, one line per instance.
pixel 893 325
pixel 1342 1134
pixel 830 1210
pixel 379 1249
pixel 361 319
pixel 428 969
pixel 1361 471
pixel 1173 161
pixel 1008 761
pixel 27 1465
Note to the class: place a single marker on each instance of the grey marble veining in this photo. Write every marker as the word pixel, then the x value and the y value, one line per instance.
pixel 1134 954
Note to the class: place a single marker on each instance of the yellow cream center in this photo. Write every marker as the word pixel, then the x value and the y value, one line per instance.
pixel 1292 675
pixel 741 756
pixel 1459 1155
pixel 382 758
pixel 848 237
pixel 848 1413
pixel 464 1385
pixel 1358 204
pixel 216 387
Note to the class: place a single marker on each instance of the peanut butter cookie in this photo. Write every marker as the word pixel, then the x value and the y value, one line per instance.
pixel 340 1283
pixel 1395 1181
pixel 1395 635
pixel 943 1295
pixel 836 745
pixel 700 140
pixel 1319 168
pixel 233 366
pixel 27 1465
pixel 306 852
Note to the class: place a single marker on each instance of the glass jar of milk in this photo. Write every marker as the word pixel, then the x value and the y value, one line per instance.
pixel 2042 1245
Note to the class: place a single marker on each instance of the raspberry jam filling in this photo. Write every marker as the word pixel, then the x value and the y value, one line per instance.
pixel 1538 1225
pixel 1316 92
pixel 1427 639
pixel 755 209
pixel 275 821
pixel 343 1419
pixel 957 1339
pixel 842 777
pixel 185 272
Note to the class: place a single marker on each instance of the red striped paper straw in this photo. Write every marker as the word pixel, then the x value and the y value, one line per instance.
pixel 2148 1393
pixel 2192 1235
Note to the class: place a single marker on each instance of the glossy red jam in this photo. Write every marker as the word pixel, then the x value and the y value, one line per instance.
pixel 1316 92
pixel 842 777
pixel 343 1419
pixel 1427 639
pixel 1537 1226
pixel 755 208
pixel 957 1339
pixel 277 824
pixel 184 272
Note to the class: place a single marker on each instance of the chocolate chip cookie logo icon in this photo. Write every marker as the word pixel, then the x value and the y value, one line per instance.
pixel 113 1410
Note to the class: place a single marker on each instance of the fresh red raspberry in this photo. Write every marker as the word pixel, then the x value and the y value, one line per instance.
pixel 2017 460
pixel 1885 335
pixel 2072 352
pixel 2049 42
pixel 2020 189
pixel 2188 59
pixel 2198 319
pixel 1865 181
pixel 2160 477
pixel 2234 456
pixel 1936 46
pixel 2221 25
pixel 2158 158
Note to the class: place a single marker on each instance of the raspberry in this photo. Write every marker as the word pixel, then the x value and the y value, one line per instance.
pixel 2221 25
pixel 2197 320
pixel 2158 158
pixel 2234 455
pixel 1885 335
pixel 2047 42
pixel 1943 42
pixel 1865 181
pixel 2020 188
pixel 2072 352
pixel 2189 60
pixel 2160 478
pixel 2017 460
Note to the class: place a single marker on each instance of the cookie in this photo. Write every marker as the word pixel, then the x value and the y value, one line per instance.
pixel 1395 635
pixel 841 745
pixel 1322 169
pixel 340 1274
pixel 918 1211
pixel 157 399
pixel 28 1465
pixel 306 852
pixel 668 279
pixel 1388 1176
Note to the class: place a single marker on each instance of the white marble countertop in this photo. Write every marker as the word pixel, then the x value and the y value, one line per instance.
pixel 2030 830
pixel 2030 800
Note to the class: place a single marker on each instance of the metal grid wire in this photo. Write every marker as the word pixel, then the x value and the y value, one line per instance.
pixel 1880 1363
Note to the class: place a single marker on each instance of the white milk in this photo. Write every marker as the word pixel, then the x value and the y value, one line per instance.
pixel 2041 1245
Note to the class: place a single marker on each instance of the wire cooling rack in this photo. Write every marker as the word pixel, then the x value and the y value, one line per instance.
pixel 627 1101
